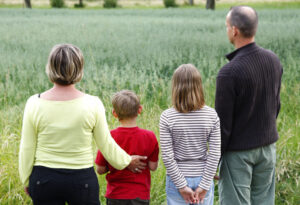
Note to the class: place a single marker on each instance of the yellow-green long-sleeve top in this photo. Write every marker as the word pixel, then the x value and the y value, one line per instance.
pixel 59 134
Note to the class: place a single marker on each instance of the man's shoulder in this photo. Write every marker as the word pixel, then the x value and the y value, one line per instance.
pixel 226 70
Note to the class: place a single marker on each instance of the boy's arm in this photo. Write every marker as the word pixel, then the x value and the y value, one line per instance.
pixel 152 165
pixel 153 158
pixel 101 169
pixel 101 164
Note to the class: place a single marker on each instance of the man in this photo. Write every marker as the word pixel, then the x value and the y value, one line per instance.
pixel 248 102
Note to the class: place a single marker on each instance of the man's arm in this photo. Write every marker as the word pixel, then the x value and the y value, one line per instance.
pixel 224 104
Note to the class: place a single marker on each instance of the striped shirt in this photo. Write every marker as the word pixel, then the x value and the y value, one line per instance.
pixel 190 145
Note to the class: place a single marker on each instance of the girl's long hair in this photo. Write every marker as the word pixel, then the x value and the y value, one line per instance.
pixel 187 90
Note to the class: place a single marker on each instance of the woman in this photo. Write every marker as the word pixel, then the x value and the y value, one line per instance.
pixel 56 155
pixel 190 141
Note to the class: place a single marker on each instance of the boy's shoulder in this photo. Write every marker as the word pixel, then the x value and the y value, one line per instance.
pixel 148 132
pixel 137 131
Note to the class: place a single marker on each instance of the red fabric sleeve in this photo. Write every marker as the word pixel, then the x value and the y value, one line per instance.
pixel 154 155
pixel 100 160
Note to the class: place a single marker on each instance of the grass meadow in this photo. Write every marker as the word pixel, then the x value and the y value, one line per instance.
pixel 139 50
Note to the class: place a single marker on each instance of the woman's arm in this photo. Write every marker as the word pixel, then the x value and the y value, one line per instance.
pixel 27 144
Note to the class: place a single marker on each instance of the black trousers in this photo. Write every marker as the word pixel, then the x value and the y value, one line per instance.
pixel 136 201
pixel 49 186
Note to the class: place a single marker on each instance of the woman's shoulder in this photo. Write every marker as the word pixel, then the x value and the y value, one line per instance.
pixel 93 101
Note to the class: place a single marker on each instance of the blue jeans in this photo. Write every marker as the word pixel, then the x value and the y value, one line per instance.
pixel 174 197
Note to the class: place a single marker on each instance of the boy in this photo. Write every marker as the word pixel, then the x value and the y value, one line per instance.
pixel 124 186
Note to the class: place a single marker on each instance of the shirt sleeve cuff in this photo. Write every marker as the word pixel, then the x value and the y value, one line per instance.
pixel 205 184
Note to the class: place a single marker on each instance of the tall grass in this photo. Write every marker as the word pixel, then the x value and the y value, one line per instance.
pixel 139 50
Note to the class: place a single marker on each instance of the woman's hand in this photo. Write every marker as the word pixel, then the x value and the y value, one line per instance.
pixel 136 165
pixel 187 194
pixel 200 195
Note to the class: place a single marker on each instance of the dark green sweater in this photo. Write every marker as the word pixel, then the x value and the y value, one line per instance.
pixel 248 98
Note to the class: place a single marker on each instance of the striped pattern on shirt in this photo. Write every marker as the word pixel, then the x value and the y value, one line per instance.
pixel 190 145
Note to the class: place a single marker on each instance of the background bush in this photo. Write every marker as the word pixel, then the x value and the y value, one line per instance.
pixel 110 3
pixel 57 3
pixel 170 3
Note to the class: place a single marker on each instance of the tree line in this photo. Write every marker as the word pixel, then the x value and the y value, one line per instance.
pixel 210 4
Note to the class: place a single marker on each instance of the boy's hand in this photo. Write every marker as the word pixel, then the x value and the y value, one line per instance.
pixel 26 190
pixel 200 195
pixel 187 194
pixel 136 165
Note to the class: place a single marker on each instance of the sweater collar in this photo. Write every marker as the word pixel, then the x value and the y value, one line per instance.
pixel 242 50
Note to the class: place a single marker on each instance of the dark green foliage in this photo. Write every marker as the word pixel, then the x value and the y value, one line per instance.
pixel 110 4
pixel 57 3
pixel 170 3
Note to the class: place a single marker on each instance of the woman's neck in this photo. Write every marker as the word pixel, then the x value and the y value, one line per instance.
pixel 62 93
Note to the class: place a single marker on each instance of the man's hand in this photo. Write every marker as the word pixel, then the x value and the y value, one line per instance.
pixel 136 165
pixel 187 194
pixel 216 177
pixel 200 195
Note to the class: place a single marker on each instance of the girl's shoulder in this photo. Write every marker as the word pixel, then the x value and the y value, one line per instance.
pixel 169 111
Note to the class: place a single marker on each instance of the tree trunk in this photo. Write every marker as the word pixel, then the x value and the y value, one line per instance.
pixel 191 2
pixel 27 4
pixel 80 2
pixel 210 4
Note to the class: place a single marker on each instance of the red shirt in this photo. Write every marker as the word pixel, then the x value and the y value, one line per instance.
pixel 124 184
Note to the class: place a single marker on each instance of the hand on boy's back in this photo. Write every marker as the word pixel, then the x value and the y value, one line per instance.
pixel 137 165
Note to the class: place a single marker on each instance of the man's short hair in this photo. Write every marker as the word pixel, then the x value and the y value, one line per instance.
pixel 245 19
pixel 126 104
pixel 65 64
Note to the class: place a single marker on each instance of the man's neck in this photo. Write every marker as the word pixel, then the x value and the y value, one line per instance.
pixel 241 42
pixel 128 122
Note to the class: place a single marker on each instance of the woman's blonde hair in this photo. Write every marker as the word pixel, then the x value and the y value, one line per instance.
pixel 65 64
pixel 187 90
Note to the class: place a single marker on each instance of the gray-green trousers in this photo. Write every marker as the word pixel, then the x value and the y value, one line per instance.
pixel 248 177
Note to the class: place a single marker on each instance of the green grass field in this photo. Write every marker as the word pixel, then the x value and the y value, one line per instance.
pixel 139 50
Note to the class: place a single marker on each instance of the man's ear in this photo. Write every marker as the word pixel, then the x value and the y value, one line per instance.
pixel 114 113
pixel 235 31
pixel 140 109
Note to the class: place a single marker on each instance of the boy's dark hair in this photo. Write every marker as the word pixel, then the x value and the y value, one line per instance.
pixel 126 104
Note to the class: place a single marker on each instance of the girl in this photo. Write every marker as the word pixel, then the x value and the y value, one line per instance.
pixel 190 141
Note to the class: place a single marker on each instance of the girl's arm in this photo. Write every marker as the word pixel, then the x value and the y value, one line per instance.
pixel 214 153
pixel 168 154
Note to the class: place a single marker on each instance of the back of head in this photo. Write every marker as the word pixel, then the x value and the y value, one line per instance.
pixel 245 19
pixel 65 64
pixel 187 90
pixel 126 104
